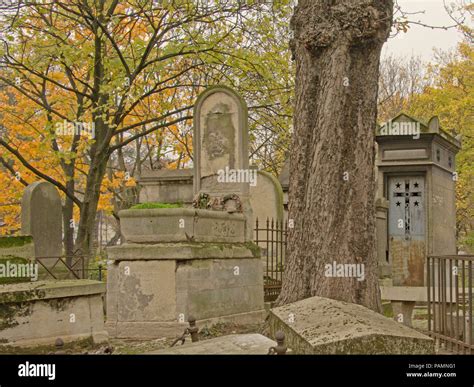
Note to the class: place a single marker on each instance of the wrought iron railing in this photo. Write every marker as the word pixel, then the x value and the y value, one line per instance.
pixel 271 235
pixel 68 267
pixel 450 306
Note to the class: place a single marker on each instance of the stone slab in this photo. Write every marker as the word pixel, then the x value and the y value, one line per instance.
pixel 415 293
pixel 183 251
pixel 42 290
pixel 320 325
pixel 167 186
pixel 181 225
pixel 246 344
pixel 38 313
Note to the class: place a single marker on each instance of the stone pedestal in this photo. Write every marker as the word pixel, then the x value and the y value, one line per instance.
pixel 188 263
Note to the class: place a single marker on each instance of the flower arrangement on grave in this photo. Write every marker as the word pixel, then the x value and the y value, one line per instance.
pixel 230 202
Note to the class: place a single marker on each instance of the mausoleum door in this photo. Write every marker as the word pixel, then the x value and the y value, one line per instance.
pixel 406 229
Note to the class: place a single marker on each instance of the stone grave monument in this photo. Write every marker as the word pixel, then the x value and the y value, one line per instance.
pixel 200 261
pixel 41 217
pixel 324 326
pixel 416 212
pixel 37 312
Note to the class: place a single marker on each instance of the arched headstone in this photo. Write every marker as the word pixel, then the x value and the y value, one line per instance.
pixel 41 217
pixel 221 155
pixel 220 140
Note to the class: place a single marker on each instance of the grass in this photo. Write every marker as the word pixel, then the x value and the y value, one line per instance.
pixel 4 261
pixel 146 206
pixel 76 347
pixel 15 241
pixel 387 309
pixel 468 242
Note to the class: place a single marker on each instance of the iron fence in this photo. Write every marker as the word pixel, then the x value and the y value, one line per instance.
pixel 271 237
pixel 68 267
pixel 450 309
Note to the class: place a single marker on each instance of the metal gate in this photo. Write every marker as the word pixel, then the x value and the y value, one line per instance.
pixel 450 305
pixel 406 229
pixel 270 236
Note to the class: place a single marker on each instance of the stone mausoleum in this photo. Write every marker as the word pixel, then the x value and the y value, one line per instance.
pixel 416 175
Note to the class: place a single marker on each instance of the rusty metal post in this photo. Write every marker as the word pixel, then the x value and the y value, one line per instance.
pixel 280 348
pixel 193 329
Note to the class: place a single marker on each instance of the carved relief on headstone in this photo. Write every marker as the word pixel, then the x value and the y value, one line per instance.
pixel 220 143
pixel 219 134
pixel 221 158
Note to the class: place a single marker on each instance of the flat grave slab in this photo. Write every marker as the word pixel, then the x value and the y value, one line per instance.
pixel 245 344
pixel 320 325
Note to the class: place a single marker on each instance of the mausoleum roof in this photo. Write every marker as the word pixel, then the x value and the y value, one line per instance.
pixel 432 127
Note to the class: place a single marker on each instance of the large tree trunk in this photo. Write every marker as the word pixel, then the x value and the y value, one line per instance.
pixel 85 233
pixel 99 149
pixel 337 47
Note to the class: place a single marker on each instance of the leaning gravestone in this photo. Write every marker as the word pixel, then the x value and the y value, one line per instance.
pixel 320 325
pixel 41 217
pixel 221 157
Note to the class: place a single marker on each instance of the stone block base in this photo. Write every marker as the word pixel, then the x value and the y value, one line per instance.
pixel 33 314
pixel 153 289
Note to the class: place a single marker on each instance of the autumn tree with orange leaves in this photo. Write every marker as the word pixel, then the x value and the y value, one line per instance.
pixel 86 86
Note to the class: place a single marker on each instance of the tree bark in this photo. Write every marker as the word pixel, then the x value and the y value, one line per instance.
pixel 85 234
pixel 68 240
pixel 337 47
pixel 100 149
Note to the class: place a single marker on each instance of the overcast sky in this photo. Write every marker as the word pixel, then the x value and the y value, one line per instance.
pixel 420 41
